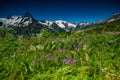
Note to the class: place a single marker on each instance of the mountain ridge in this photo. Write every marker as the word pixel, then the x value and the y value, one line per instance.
pixel 29 20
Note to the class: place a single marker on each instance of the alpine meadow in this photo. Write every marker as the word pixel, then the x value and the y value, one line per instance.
pixel 43 50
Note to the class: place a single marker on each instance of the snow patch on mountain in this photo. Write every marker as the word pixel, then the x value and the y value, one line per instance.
pixel 26 21
pixel 114 17
pixel 46 22
pixel 60 23
pixel 83 23
pixel 71 25
pixel 11 20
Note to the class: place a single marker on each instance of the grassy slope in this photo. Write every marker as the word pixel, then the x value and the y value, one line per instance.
pixel 112 26
pixel 42 57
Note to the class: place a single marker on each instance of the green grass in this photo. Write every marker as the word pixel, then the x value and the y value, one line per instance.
pixel 49 56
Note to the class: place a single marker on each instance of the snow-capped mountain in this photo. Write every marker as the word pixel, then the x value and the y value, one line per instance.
pixel 11 21
pixel 28 19
pixel 82 25
pixel 64 24
pixel 114 18
pixel 46 22
pixel 27 24
pixel 58 25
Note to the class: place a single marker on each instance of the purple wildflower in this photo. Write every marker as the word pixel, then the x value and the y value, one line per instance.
pixel 49 57
pixel 62 49
pixel 79 46
pixel 69 61
pixel 33 62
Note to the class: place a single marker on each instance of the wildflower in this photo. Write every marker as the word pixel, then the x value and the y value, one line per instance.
pixel 33 62
pixel 69 61
pixel 49 57
pixel 62 49
pixel 79 45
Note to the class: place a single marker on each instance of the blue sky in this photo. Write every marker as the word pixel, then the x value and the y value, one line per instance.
pixel 68 10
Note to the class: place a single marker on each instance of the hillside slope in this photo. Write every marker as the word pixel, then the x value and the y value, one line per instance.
pixel 86 54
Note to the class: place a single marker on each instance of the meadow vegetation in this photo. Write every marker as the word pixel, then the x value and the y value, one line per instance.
pixel 91 54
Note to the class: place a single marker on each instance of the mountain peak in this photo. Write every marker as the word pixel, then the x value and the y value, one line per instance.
pixel 27 14
pixel 115 16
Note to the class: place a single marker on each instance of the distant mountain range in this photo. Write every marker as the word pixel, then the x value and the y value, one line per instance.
pixel 57 26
